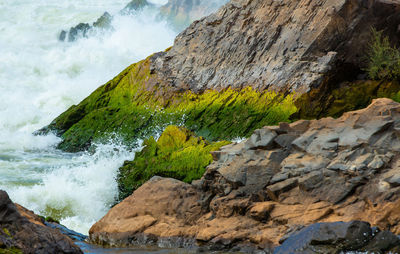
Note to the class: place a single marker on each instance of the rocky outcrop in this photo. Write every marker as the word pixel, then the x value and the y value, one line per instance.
pixel 103 23
pixel 281 45
pixel 83 30
pixel 134 105
pixel 21 231
pixel 184 12
pixel 289 46
pixel 279 180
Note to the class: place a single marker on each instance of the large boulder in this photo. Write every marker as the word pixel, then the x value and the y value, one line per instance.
pixel 281 45
pixel 21 231
pixel 281 179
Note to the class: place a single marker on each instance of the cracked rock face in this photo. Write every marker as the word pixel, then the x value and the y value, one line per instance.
pixel 282 45
pixel 259 192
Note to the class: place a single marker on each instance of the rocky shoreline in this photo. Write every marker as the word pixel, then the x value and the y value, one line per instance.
pixel 258 70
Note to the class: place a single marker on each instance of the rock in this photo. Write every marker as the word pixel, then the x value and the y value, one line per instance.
pixel 81 29
pixel 163 207
pixel 262 138
pixel 336 238
pixel 62 36
pixel 178 153
pixel 283 186
pixel 394 181
pixel 84 29
pixel 383 241
pixel 278 45
pixel 135 5
pixel 253 195
pixel 104 22
pixel 24 232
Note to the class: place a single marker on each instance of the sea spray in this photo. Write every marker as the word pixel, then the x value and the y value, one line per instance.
pixel 78 191
pixel 40 77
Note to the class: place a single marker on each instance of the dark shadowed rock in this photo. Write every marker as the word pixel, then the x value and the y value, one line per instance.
pixel 81 30
pixel 84 30
pixel 337 237
pixel 22 230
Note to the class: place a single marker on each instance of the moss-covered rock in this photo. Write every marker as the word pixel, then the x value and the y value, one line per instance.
pixel 348 96
pixel 137 104
pixel 177 154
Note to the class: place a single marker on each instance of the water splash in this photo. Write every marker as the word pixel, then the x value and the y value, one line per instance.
pixel 40 77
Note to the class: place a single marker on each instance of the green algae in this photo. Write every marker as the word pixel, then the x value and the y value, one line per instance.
pixel 136 104
pixel 178 153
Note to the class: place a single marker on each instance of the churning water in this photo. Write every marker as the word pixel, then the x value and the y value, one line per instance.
pixel 40 77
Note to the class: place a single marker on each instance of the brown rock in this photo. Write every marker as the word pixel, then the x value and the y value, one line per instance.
pixel 22 229
pixel 281 45
pixel 254 195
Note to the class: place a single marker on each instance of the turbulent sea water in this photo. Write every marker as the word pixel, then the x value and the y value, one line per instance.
pixel 40 77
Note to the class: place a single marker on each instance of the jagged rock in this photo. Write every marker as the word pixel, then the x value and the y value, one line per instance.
pixel 254 196
pixel 281 45
pixel 84 29
pixel 24 232
pixel 81 29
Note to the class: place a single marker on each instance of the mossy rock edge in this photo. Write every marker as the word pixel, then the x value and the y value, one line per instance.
pixel 178 153
pixel 137 104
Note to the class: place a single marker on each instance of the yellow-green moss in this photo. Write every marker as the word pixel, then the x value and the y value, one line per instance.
pixel 12 250
pixel 177 154
pixel 5 230
pixel 136 105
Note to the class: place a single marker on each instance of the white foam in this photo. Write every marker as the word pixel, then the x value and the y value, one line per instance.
pixel 40 77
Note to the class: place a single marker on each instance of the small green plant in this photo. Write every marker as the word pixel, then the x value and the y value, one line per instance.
pixel 384 60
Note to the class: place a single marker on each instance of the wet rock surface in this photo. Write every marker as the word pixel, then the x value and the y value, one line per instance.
pixel 282 45
pixel 21 231
pixel 339 236
pixel 258 191
pixel 83 30
pixel 103 23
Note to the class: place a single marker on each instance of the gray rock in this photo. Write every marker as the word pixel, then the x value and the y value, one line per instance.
pixel 285 46
pixel 261 139
pixel 327 238
pixel 284 186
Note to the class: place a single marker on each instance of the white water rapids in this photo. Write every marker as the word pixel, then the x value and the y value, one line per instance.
pixel 40 77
